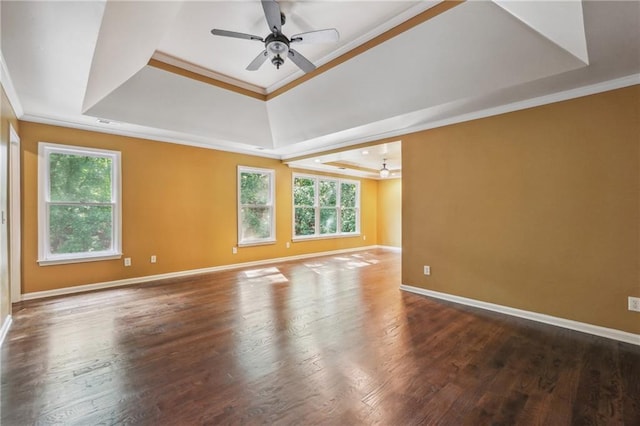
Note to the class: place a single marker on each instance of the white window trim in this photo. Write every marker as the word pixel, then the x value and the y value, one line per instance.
pixel 45 257
pixel 316 207
pixel 272 184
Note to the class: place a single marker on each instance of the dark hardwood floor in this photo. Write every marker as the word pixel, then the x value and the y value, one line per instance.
pixel 329 340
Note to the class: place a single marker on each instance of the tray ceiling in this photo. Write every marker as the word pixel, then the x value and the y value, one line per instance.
pixel 87 64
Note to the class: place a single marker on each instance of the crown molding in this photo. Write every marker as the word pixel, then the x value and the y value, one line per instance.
pixel 593 89
pixel 186 69
pixel 162 136
pixel 9 88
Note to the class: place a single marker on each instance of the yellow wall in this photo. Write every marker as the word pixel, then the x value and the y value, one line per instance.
pixel 179 203
pixel 7 117
pixel 390 212
pixel 536 209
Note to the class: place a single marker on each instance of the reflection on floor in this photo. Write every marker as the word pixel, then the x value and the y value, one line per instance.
pixel 330 340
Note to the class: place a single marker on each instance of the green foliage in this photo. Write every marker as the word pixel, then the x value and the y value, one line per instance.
pixel 348 193
pixel 304 200
pixel 328 193
pixel 254 188
pixel 303 192
pixel 79 229
pixel 305 212
pixel 328 221
pixel 76 185
pixel 256 212
pixel 305 221
pixel 79 178
pixel 348 220
pixel 256 223
pixel 348 196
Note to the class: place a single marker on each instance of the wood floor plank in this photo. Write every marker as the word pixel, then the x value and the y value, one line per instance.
pixel 329 340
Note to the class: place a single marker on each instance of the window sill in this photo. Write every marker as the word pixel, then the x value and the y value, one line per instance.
pixel 256 243
pixel 65 260
pixel 323 237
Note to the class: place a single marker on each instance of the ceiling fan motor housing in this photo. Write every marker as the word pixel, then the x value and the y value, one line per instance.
pixel 277 45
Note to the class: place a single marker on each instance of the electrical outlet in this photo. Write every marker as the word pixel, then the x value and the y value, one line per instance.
pixel 427 270
pixel 288 244
pixel 127 261
pixel 364 237
pixel 634 304
pixel 153 258
pixel 234 250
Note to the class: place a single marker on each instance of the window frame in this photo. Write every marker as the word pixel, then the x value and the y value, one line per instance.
pixel 317 235
pixel 45 257
pixel 272 206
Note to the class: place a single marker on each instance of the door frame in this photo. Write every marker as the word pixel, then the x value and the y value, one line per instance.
pixel 15 218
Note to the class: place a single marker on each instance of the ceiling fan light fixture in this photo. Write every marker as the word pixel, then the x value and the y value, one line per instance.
pixel 277 48
pixel 384 172
pixel 277 61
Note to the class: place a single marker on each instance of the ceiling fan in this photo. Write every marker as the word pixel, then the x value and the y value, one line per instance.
pixel 277 45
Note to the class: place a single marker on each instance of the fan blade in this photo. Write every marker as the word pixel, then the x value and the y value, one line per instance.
pixel 303 63
pixel 272 13
pixel 234 34
pixel 321 36
pixel 258 61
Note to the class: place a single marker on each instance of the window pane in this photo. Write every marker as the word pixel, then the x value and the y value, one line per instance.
pixel 348 218
pixel 348 195
pixel 328 221
pixel 79 178
pixel 256 223
pixel 303 192
pixel 254 188
pixel 305 220
pixel 328 191
pixel 79 229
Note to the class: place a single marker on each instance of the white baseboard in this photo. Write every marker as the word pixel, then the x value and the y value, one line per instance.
pixel 139 280
pixel 392 248
pixel 5 329
pixel 609 333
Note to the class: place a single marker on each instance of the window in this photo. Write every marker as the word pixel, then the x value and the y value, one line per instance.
pixel 256 217
pixel 349 206
pixel 325 207
pixel 78 204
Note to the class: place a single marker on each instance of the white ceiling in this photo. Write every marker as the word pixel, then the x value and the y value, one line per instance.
pixel 74 62
pixel 362 161
pixel 188 38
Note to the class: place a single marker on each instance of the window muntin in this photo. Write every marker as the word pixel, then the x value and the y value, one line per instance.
pixel 256 206
pixel 79 204
pixel 324 207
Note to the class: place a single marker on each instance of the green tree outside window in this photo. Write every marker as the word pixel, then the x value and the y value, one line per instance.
pixel 256 218
pixel 79 208
pixel 325 206
pixel 304 195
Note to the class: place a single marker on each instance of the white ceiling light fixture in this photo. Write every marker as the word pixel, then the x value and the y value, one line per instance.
pixel 384 172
